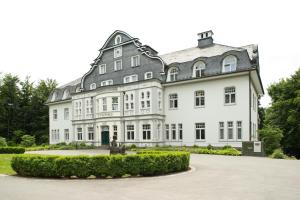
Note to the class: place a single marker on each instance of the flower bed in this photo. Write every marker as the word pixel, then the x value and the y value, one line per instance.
pixel 141 164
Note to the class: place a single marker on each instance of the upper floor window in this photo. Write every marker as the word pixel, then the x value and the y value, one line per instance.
pixel 172 75
pixel 93 86
pixel 199 98
pixel 148 75
pixel 115 103
pixel 53 96
pixel 107 82
pixel 173 101
pixel 66 113
pixel 118 39
pixel 104 104
pixel 129 102
pixel 135 61
pixel 55 114
pixel 66 94
pixel 117 52
pixel 77 108
pixel 131 78
pixel 102 69
pixel 198 70
pixel 118 65
pixel 229 95
pixel 229 64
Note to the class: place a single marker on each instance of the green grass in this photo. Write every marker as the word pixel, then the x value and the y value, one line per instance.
pixel 5 167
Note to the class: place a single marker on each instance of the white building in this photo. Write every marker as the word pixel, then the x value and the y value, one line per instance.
pixel 207 94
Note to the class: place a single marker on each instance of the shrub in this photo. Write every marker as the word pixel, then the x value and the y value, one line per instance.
pixel 278 154
pixel 3 142
pixel 210 147
pixel 28 141
pixel 12 150
pixel 271 136
pixel 227 147
pixel 143 164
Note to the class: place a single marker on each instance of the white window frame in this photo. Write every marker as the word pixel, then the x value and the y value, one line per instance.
pixel 102 69
pixel 67 134
pixel 239 126
pixel 230 93
pixel 130 132
pixel 91 133
pixel 180 132
pixel 135 61
pixel 167 130
pixel 118 37
pixel 173 74
pixel 172 101
pixel 107 82
pixel 66 113
pixel 55 114
pixel 146 75
pixel 118 52
pixel 115 131
pixel 66 94
pixel 229 64
pixel 79 133
pixel 115 65
pixel 130 78
pixel 200 96
pixel 173 132
pixel 146 131
pixel 93 86
pixel 198 69
pixel 228 130
pixel 222 129
pixel 200 126
pixel 104 104
pixel 129 102
pixel 115 105
pixel 159 100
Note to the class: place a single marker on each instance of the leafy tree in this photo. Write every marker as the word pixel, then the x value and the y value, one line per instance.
pixel 271 136
pixel 3 142
pixel 28 141
pixel 284 112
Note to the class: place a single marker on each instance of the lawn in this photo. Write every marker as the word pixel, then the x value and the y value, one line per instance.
pixel 5 167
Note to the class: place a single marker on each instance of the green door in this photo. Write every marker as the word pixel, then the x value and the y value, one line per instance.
pixel 104 138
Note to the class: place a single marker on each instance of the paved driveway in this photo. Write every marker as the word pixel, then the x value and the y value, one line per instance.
pixel 212 177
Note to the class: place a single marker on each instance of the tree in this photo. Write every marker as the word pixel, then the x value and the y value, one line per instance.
pixel 271 136
pixel 28 141
pixel 284 112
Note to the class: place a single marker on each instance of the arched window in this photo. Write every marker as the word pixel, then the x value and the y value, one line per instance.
pixel 172 75
pixel 77 89
pixel 118 39
pixel 198 69
pixel 229 64
pixel 66 94
pixel 53 96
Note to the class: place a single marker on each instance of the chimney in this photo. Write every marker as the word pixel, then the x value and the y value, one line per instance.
pixel 205 39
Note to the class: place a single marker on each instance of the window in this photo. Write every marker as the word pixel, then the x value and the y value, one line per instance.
pixel 53 96
pixel 91 133
pixel 173 130
pixel 115 103
pixel 229 95
pixel 66 133
pixel 104 104
pixel 129 102
pixel 135 61
pixel 200 131
pixel 118 39
pixel 131 78
pixel 117 52
pixel 167 132
pixel 66 113
pixel 229 64
pixel 66 94
pixel 54 114
pixel 145 101
pixel 130 132
pixel 239 130
pixel 199 98
pixel 198 69
pixel 173 101
pixel 180 131
pixel 55 135
pixel 115 131
pixel 159 100
pixel 102 69
pixel 77 89
pixel 173 72
pixel 78 108
pixel 146 132
pixel 89 106
pixel 118 65
pixel 230 130
pixel 107 82
pixel 79 133
pixel 148 75
pixel 93 86
pixel 221 131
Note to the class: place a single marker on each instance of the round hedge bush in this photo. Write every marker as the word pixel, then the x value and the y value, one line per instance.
pixel 12 150
pixel 141 164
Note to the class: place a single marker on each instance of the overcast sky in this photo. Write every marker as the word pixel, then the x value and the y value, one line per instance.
pixel 59 39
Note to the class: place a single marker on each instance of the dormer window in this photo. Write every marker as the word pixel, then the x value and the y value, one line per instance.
pixel 229 64
pixel 93 86
pixel 131 78
pixel 135 61
pixel 148 75
pixel 118 39
pixel 66 94
pixel 77 89
pixel 107 82
pixel 117 52
pixel 198 69
pixel 118 65
pixel 172 75
pixel 53 96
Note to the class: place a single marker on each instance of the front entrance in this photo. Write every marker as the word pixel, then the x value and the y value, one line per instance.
pixel 105 138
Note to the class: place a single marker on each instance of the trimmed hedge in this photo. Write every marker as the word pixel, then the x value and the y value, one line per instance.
pixel 12 150
pixel 141 164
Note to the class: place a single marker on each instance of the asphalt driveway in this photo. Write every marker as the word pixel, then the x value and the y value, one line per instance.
pixel 211 177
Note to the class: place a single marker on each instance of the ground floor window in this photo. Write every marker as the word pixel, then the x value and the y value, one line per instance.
pixel 200 131
pixel 167 132
pixel 230 130
pixel 173 129
pixel 130 132
pixel 67 136
pixel 115 129
pixel 239 129
pixel 55 134
pixel 91 133
pixel 79 133
pixel 146 132
pixel 221 131
pixel 180 131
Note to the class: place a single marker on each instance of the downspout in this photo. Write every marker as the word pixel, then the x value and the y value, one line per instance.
pixel 250 125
